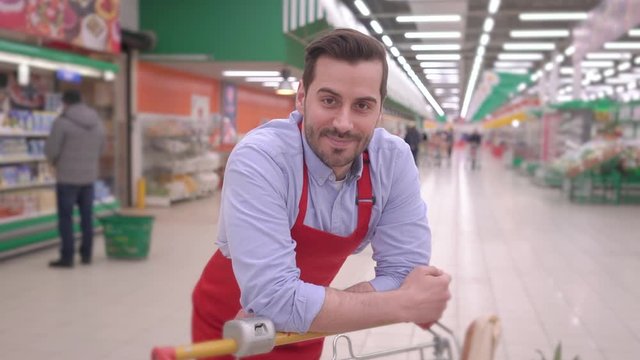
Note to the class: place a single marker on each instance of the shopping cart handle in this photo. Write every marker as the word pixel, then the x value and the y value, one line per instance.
pixel 163 353
pixel 242 337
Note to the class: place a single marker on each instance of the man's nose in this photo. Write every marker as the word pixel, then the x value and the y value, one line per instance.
pixel 343 121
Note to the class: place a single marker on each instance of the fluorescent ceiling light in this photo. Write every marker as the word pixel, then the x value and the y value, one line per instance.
pixel 493 6
pixel 522 86
pixel 435 47
pixel 554 16
pixel 528 46
pixel 402 60
pixel 265 78
pixel 440 91
pixel 433 35
pixel 608 56
pixel 624 66
pixel 109 75
pixel 442 77
pixel 438 64
pixel 394 51
pixel 232 73
pixel 362 7
pixel 484 39
pixel 609 72
pixel 481 50
pixel 520 71
pixel 559 58
pixel 634 32
pixel 514 64
pixel 616 81
pixel 488 25
pixel 273 84
pixel 475 71
pixel 387 40
pixel 548 66
pixel 438 56
pixel 429 18
pixel 570 50
pixel 49 65
pixel 450 105
pixel 440 71
pixel 596 64
pixel 539 33
pixel 444 81
pixel 594 77
pixel 620 45
pixel 375 25
pixel 637 60
pixel 566 70
pixel 520 56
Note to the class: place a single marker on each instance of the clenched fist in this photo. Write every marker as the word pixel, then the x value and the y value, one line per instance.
pixel 425 293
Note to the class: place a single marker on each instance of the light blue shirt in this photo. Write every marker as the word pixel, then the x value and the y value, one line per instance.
pixel 262 188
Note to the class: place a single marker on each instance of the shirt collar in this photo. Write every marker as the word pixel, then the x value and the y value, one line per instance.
pixel 317 169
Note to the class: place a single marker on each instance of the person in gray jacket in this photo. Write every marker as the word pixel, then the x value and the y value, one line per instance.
pixel 74 148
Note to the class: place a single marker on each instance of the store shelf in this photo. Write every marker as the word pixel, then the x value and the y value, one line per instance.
pixel 24 232
pixel 20 159
pixel 27 186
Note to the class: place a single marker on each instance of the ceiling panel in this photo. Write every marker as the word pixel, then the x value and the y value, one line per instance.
pixel 473 14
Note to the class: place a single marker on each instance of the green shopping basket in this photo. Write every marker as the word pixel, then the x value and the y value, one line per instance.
pixel 127 236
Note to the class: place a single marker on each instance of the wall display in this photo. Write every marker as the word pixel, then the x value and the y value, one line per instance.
pixel 91 24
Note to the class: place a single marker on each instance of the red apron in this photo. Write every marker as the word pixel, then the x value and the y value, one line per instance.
pixel 319 255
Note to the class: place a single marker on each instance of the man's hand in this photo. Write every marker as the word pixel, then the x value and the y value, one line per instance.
pixel 425 293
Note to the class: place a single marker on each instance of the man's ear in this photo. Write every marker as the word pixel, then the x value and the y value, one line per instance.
pixel 300 96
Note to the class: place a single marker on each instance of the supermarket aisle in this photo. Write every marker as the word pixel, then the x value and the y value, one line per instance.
pixel 551 270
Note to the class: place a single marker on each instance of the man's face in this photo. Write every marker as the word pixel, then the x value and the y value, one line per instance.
pixel 341 109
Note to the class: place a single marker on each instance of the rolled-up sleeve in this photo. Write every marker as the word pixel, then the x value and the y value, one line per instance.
pixel 402 238
pixel 257 230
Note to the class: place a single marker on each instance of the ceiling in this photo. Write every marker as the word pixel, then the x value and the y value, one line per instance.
pixel 472 16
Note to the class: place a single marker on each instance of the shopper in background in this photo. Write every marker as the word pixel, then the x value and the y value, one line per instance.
pixel 74 148
pixel 301 194
pixel 449 138
pixel 413 137
pixel 475 140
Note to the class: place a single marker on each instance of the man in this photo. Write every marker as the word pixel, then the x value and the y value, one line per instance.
pixel 74 148
pixel 474 140
pixel 412 138
pixel 300 195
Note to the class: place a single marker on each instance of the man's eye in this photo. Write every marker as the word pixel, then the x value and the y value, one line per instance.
pixel 363 106
pixel 328 101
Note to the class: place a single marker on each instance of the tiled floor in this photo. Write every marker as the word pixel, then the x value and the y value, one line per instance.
pixel 553 271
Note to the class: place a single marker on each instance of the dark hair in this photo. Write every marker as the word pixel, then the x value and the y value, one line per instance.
pixel 70 97
pixel 345 44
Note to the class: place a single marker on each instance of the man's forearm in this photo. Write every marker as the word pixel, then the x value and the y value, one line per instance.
pixel 355 308
pixel 362 287
pixel 421 298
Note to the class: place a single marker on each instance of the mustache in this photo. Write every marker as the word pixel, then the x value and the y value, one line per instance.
pixel 342 135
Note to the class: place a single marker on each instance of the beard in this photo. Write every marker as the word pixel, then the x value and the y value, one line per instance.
pixel 333 157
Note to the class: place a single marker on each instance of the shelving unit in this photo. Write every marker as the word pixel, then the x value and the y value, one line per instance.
pixel 27 199
pixel 176 158
pixel 39 230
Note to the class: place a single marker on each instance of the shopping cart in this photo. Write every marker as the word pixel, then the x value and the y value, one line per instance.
pixel 252 336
